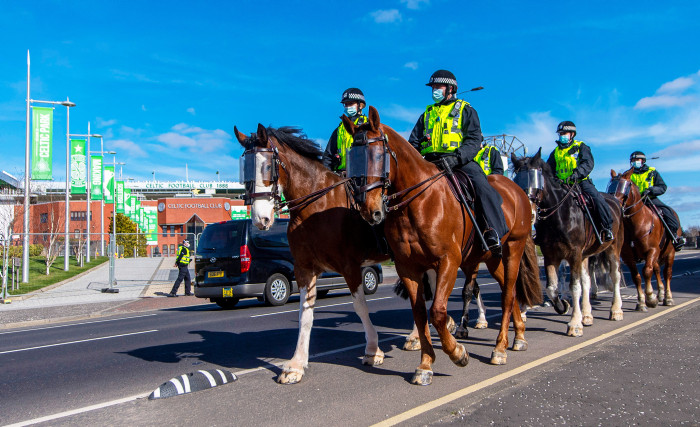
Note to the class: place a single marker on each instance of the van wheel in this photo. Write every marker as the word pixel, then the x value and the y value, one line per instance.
pixel 226 303
pixel 370 280
pixel 277 290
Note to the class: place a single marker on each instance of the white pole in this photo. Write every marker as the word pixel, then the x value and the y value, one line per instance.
pixel 67 211
pixel 25 246
pixel 102 202
pixel 89 211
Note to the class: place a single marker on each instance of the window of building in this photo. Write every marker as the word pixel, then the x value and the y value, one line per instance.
pixel 44 218
pixel 76 233
pixel 172 230
pixel 172 249
pixel 78 216
pixel 165 250
pixel 165 234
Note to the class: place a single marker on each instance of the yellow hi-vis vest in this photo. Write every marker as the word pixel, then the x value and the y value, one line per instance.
pixel 485 163
pixel 185 260
pixel 443 127
pixel 566 163
pixel 345 140
pixel 643 180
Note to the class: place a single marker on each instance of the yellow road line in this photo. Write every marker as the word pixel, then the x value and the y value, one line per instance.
pixel 478 386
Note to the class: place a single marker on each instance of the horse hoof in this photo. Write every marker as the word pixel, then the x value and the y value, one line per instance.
pixel 291 376
pixel 561 306
pixel 422 377
pixel 652 302
pixel 481 324
pixel 523 316
pixel 594 296
pixel 373 359
pixel 451 325
pixel 461 333
pixel 575 331
pixel 639 307
pixel 412 345
pixel 616 315
pixel 463 359
pixel 498 357
pixel 519 345
pixel 587 320
pixel 668 302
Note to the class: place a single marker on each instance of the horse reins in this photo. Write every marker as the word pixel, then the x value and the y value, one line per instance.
pixel 556 207
pixel 396 195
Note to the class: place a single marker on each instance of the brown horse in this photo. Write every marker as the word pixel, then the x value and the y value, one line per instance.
pixel 432 234
pixel 324 233
pixel 645 239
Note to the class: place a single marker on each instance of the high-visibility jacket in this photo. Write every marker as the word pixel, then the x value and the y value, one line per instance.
pixel 567 160
pixel 443 127
pixel 483 157
pixel 644 180
pixel 183 255
pixel 345 140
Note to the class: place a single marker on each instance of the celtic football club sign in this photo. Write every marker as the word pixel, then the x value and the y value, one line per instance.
pixel 78 169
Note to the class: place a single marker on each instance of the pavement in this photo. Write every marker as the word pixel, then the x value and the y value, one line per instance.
pixel 143 284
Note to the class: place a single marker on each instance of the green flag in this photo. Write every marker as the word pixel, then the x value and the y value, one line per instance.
pixel 42 143
pixel 96 177
pixel 152 225
pixel 119 194
pixel 108 184
pixel 77 166
pixel 127 202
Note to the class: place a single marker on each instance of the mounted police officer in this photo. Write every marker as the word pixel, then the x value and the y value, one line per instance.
pixel 651 185
pixel 489 158
pixel 450 130
pixel 182 263
pixel 334 157
pixel 572 162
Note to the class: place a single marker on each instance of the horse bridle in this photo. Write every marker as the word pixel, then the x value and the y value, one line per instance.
pixel 625 196
pixel 359 181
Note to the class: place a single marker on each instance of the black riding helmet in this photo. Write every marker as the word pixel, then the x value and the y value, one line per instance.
pixel 353 94
pixel 566 126
pixel 638 155
pixel 443 77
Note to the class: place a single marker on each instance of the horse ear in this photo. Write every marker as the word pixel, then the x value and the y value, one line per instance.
pixel 239 136
pixel 262 133
pixel 613 174
pixel 513 159
pixel 349 125
pixel 373 117
pixel 538 155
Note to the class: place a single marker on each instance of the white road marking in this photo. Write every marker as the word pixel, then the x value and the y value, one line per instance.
pixel 78 341
pixel 76 324
pixel 317 308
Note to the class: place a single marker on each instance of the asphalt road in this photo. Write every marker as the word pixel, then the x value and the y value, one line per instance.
pixel 54 369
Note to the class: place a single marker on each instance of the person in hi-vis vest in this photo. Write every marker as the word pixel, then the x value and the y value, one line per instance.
pixel 334 158
pixel 182 262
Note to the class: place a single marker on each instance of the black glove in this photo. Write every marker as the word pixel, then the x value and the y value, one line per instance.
pixel 646 193
pixel 450 160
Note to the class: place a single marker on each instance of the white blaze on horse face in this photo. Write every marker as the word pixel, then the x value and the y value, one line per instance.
pixel 262 210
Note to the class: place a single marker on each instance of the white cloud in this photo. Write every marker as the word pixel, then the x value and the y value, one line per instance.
pixel 664 101
pixel 539 130
pixel 105 123
pixel 413 65
pixel 386 16
pixel 195 138
pixel 143 107
pixel 191 111
pixel 402 113
pixel 678 85
pixel 130 147
pixel 415 4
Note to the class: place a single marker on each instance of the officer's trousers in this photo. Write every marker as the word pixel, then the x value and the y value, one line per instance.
pixel 601 206
pixel 183 273
pixel 668 213
pixel 489 213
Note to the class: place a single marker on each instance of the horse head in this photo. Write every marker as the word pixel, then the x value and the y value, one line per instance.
pixel 368 165
pixel 622 188
pixel 260 175
pixel 533 175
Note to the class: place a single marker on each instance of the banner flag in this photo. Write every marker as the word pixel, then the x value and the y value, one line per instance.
pixel 151 225
pixel 119 194
pixel 78 177
pixel 127 202
pixel 42 143
pixel 96 177
pixel 108 184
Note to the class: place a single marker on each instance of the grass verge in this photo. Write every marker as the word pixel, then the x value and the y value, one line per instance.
pixel 37 273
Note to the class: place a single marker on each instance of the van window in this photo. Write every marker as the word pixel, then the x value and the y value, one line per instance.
pixel 275 237
pixel 221 236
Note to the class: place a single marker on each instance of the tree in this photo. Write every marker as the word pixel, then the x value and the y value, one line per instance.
pixel 127 236
pixel 54 240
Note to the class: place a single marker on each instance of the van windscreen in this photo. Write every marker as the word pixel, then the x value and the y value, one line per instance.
pixel 275 237
pixel 218 237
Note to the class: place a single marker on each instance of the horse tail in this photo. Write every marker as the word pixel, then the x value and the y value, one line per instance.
pixel 528 289
pixel 401 291
pixel 599 268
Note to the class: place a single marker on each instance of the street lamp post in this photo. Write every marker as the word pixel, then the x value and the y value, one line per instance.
pixel 25 247
pixel 102 202
pixel 87 162
pixel 113 240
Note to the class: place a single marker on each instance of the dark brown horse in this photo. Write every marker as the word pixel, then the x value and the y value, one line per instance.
pixel 645 239
pixel 324 232
pixel 564 233
pixel 433 234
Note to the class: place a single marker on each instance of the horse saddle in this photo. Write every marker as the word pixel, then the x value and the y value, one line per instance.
pixel 464 186
pixel 584 200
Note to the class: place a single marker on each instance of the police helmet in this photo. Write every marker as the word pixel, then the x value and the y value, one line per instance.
pixel 186 242
pixel 443 77
pixel 638 155
pixel 566 126
pixel 353 94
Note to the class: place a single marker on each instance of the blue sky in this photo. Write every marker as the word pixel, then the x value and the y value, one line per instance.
pixel 165 82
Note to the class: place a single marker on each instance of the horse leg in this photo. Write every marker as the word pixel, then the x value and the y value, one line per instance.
pixel 586 311
pixel 637 279
pixel 412 340
pixel 505 273
pixel 373 354
pixel 651 300
pixel 424 372
pixel 293 370
pixel 481 322
pixel 447 274
pixel 613 259
pixel 575 327
pixel 668 272
pixel 470 288
pixel 560 306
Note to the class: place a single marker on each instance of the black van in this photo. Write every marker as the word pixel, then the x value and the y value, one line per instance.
pixel 235 260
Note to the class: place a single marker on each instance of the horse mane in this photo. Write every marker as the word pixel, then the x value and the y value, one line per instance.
pixel 297 140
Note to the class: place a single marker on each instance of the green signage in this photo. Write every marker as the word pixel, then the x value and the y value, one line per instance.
pixel 96 177
pixel 127 202
pixel 42 143
pixel 239 212
pixel 119 195
pixel 78 170
pixel 108 187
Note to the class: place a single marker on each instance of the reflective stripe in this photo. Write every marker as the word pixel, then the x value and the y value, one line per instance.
pixel 344 140
pixel 566 163
pixel 212 381
pixel 185 260
pixel 485 163
pixel 443 127
pixel 643 180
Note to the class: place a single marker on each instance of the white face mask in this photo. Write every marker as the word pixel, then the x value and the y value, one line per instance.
pixel 637 164
pixel 351 110
pixel 438 95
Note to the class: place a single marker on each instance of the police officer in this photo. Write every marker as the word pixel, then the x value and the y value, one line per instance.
pixel 449 129
pixel 572 162
pixel 182 263
pixel 651 185
pixel 334 158
pixel 489 158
